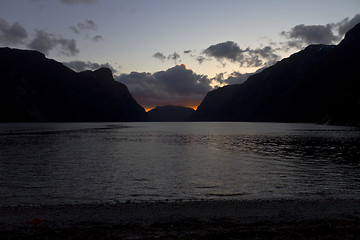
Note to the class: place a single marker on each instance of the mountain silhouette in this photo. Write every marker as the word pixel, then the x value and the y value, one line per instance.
pixel 170 114
pixel 34 88
pixel 318 84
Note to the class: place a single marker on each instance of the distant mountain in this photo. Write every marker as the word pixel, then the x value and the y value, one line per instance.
pixel 318 84
pixel 34 88
pixel 170 114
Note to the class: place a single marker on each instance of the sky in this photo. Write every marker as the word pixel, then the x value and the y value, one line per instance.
pixel 171 52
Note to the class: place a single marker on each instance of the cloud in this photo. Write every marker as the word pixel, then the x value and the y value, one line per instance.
pixel 176 86
pixel 71 2
pixel 262 57
pixel 237 78
pixel 15 34
pixel 159 56
pixel 226 50
pixel 80 66
pixel 45 42
pixel 174 56
pixel 248 57
pixel 12 34
pixel 310 34
pixel 200 59
pixel 97 38
pixel 191 53
pixel 345 25
pixel 302 35
pixel 87 25
pixel 233 78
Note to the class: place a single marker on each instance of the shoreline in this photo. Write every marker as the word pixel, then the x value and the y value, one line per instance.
pixel 27 222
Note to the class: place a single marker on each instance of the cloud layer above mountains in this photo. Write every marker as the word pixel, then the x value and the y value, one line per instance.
pixel 16 35
pixel 176 85
pixel 296 38
pixel 181 86
pixel 45 42
pixel 303 35
pixel 80 66
pixel 231 51
pixel 12 34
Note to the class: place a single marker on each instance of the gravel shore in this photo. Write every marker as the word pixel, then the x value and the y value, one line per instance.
pixel 283 219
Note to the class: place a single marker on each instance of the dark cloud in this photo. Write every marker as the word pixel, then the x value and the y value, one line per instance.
pixel 248 57
pixel 345 25
pixel 174 56
pixel 75 30
pixel 260 57
pixel 45 42
pixel 71 2
pixel 226 50
pixel 237 78
pixel 15 34
pixel 303 35
pixel 191 53
pixel 310 34
pixel 200 59
pixel 176 86
pixel 159 56
pixel 12 34
pixel 97 38
pixel 80 66
pixel 233 78
pixel 84 26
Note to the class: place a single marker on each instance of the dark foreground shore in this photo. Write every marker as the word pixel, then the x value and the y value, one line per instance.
pixel 320 219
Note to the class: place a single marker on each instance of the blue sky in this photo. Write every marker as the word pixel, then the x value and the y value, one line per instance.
pixel 145 41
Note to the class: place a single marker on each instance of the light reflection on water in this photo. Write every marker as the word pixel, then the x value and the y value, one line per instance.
pixel 115 162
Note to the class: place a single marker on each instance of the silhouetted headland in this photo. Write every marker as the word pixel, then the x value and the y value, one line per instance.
pixel 319 84
pixel 37 89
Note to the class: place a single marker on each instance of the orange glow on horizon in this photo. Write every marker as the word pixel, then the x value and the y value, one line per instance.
pixel 193 107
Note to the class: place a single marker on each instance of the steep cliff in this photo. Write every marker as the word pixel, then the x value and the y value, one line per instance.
pixel 318 84
pixel 34 88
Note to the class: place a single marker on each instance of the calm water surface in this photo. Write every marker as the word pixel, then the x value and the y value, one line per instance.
pixel 68 163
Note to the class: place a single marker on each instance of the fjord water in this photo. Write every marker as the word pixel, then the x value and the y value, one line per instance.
pixel 71 163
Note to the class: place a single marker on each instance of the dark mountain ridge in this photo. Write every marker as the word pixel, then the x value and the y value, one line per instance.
pixel 318 84
pixel 170 114
pixel 34 88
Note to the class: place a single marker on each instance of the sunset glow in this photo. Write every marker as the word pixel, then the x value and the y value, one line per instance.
pixel 175 64
pixel 193 107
